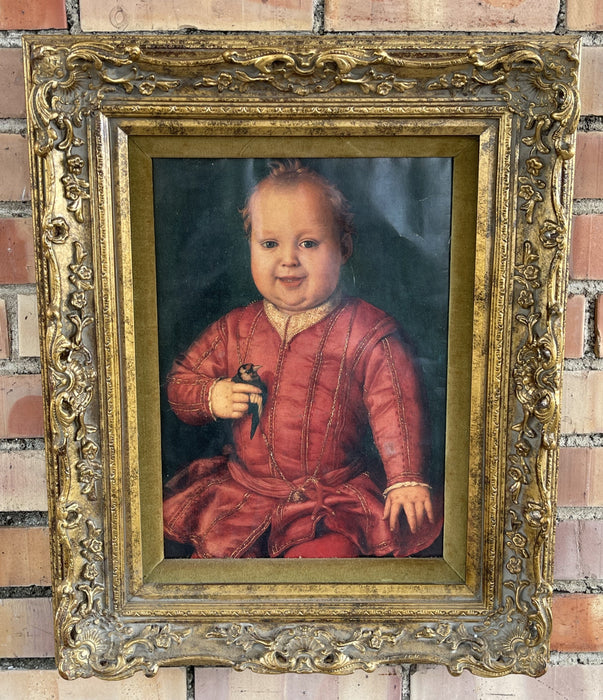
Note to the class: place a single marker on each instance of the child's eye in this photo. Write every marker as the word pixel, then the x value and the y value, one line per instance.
pixel 308 244
pixel 268 244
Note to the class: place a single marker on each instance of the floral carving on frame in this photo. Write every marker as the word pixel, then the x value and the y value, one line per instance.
pixel 87 98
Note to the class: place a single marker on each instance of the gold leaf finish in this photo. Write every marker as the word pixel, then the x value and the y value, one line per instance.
pixel 119 607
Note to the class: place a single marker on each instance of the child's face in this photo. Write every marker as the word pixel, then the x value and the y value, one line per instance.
pixel 296 251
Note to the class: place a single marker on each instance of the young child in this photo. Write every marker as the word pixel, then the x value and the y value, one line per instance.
pixel 296 484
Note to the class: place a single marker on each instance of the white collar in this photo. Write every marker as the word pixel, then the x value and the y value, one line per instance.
pixel 289 325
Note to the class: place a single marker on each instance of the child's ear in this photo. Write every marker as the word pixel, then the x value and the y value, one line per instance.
pixel 347 247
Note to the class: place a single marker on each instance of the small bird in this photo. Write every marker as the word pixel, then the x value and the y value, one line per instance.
pixel 248 374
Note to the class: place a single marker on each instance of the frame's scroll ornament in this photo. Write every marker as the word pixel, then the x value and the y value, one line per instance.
pixel 78 87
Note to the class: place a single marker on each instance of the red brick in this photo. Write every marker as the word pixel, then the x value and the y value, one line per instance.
pixel 599 326
pixel 25 555
pixel 577 622
pixel 29 340
pixel 33 14
pixel 21 412
pixel 589 165
pixel 222 15
pixel 27 628
pixel 574 328
pixel 4 339
pixel 586 251
pixel 582 406
pixel 16 252
pixel 562 682
pixel 12 84
pixel 26 684
pixel 224 684
pixel 426 15
pixel 14 168
pixel 22 480
pixel 591 76
pixel 580 476
pixel 584 14
pixel 578 552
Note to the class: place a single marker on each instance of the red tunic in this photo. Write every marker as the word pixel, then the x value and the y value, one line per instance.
pixel 304 465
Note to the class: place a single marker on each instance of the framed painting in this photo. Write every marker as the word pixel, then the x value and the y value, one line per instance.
pixel 302 315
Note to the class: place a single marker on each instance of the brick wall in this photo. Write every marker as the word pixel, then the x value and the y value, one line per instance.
pixel 26 646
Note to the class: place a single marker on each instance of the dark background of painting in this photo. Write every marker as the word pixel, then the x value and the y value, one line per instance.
pixel 402 210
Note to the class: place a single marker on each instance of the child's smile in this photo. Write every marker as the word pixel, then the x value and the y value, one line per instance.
pixel 291 282
pixel 296 252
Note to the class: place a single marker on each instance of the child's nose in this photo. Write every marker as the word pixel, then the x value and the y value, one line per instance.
pixel 289 256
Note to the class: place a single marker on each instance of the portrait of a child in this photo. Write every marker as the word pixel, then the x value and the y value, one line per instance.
pixel 302 375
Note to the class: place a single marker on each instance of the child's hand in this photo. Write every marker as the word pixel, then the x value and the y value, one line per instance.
pixel 231 399
pixel 416 502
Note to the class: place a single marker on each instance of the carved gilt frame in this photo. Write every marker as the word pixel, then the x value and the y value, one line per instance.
pixel 506 108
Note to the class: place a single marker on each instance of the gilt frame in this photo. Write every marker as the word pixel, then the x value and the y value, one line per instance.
pixel 507 108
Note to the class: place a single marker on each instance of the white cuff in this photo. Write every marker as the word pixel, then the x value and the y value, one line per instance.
pixel 402 484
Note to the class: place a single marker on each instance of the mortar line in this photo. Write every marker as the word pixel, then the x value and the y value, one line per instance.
pixel 318 18
pixel 190 683
pixel 72 11
pixel 581 440
pixel 22 444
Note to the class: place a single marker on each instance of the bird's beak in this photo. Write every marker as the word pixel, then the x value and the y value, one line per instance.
pixel 256 367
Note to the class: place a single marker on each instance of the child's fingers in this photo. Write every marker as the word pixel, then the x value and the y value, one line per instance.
pixel 240 397
pixel 394 516
pixel 420 513
pixel 246 388
pixel 416 509
pixel 429 510
pixel 423 510
pixel 411 516
pixel 386 509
